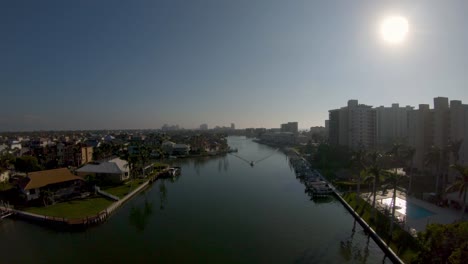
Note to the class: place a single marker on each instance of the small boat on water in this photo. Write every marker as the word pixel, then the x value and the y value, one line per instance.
pixel 252 163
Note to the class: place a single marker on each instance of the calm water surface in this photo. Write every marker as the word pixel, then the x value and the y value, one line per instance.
pixel 220 210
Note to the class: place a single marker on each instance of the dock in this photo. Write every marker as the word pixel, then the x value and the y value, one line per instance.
pixel 318 186
pixel 6 210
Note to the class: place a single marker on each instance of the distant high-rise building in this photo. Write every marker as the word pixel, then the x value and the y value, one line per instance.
pixel 439 127
pixel 420 123
pixel 353 126
pixel 459 129
pixel 203 127
pixel 391 124
pixel 233 126
pixel 363 126
pixel 290 127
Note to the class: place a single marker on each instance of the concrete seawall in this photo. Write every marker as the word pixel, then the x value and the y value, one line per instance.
pixel 388 251
pixel 86 221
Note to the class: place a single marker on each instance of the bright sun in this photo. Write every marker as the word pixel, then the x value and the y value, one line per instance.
pixel 394 29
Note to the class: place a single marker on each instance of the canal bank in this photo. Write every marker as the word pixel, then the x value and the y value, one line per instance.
pixel 87 221
pixel 220 210
pixel 304 171
pixel 386 248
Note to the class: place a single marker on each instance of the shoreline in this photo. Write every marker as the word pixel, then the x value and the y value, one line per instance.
pixel 103 215
pixel 84 222
pixel 367 228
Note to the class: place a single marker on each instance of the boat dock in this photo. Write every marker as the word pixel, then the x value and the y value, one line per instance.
pixel 315 184
pixel 318 186
pixel 6 210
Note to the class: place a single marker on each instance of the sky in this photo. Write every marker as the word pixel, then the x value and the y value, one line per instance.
pixel 256 63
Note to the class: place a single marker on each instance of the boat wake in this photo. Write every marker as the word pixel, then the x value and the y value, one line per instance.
pixel 253 162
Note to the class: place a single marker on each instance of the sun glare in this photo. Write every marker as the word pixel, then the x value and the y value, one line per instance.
pixel 394 29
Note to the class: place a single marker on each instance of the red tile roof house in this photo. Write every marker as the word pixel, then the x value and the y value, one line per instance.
pixel 61 182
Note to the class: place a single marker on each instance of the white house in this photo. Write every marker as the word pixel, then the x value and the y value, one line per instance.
pixel 114 170
pixel 15 145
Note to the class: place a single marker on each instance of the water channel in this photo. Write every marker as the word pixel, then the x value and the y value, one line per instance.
pixel 220 210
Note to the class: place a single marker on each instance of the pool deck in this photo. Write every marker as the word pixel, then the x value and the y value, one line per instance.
pixel 442 215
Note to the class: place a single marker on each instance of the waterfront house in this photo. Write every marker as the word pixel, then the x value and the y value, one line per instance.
pixel 167 147
pixel 59 181
pixel 180 149
pixel 114 170
pixel 4 175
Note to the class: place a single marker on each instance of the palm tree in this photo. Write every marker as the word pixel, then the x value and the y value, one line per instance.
pixel 47 196
pixel 460 185
pixel 376 171
pixel 394 178
pixel 143 157
pixel 409 156
pixel 454 148
pixel 433 158
pixel 132 165
pixel 357 162
pixel 398 156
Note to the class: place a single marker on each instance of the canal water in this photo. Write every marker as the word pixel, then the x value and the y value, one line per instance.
pixel 220 210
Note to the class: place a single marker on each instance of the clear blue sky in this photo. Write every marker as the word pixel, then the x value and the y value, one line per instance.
pixel 140 64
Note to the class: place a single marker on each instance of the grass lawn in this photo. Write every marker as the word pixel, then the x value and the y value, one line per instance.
pixel 124 189
pixel 73 209
pixel 401 242
pixel 5 186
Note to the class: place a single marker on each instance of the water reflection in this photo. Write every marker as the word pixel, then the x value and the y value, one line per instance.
pixel 162 194
pixel 199 163
pixel 139 215
pixel 223 164
pixel 350 250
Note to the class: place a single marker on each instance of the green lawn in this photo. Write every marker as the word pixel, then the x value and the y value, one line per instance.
pixel 73 209
pixel 4 186
pixel 123 189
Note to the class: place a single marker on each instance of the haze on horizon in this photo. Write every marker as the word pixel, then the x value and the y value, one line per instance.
pixel 141 64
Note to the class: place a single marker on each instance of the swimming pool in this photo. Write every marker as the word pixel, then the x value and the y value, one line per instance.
pixel 415 212
pixel 409 209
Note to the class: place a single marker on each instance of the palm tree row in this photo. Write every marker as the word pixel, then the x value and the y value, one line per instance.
pixel 380 168
pixel 438 159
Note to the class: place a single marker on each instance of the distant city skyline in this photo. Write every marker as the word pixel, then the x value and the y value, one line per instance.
pixel 142 64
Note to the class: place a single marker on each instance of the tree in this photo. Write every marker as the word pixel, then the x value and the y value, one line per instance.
pixel 433 159
pixel 6 160
pixel 454 148
pixel 47 196
pixel 377 172
pixel 394 178
pixel 357 163
pixel 460 185
pixel 27 164
pixel 444 243
pixel 409 156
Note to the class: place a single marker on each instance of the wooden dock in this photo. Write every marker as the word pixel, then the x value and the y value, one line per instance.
pixel 6 210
